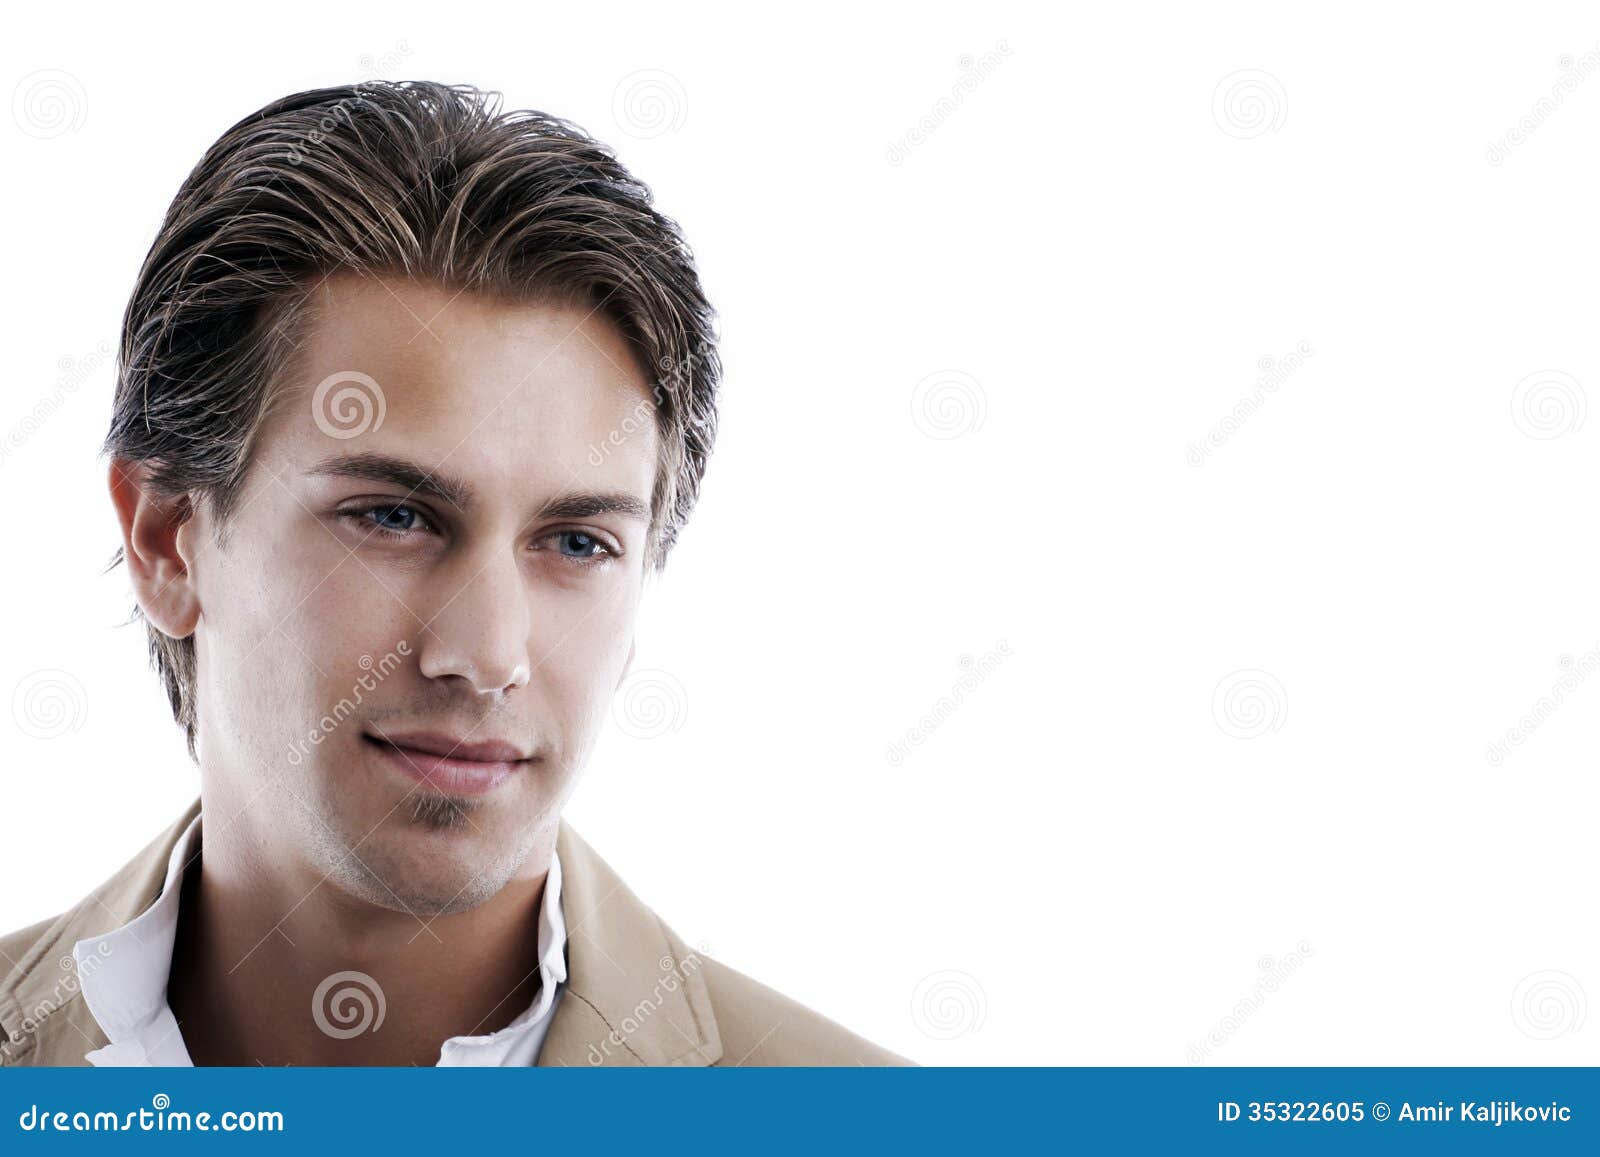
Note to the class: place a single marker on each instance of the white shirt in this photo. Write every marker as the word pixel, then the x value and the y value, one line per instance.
pixel 123 975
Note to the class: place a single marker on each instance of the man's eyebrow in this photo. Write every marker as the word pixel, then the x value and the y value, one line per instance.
pixel 459 494
pixel 398 472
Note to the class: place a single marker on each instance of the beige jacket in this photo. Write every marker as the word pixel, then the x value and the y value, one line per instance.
pixel 635 994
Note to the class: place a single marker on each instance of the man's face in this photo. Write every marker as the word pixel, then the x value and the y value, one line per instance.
pixel 360 621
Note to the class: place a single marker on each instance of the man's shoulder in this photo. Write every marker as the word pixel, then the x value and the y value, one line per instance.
pixel 18 945
pixel 761 1026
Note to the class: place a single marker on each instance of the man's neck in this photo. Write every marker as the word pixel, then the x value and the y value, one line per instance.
pixel 251 968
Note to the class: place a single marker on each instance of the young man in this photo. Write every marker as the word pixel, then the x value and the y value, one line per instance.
pixel 412 395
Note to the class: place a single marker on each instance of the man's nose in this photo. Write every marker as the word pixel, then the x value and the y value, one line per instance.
pixel 479 631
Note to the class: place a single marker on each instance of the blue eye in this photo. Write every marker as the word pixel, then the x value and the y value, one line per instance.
pixel 389 519
pixel 587 550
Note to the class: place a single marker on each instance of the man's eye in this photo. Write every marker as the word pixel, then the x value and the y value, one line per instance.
pixel 581 548
pixel 389 519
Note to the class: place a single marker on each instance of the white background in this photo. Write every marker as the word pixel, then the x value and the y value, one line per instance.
pixel 965 384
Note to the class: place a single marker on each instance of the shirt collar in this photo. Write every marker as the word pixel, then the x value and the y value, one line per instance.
pixel 123 977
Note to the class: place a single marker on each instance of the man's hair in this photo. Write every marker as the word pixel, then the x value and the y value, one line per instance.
pixel 416 180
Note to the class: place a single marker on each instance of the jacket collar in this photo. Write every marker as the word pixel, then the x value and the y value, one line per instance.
pixel 634 994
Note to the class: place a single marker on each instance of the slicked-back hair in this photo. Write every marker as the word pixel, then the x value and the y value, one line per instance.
pixel 417 180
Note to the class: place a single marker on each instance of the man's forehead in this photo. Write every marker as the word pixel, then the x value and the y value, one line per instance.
pixel 412 372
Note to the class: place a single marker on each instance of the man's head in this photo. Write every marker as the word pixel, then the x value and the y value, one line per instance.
pixel 412 397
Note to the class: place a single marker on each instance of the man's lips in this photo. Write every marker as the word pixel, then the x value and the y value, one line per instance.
pixel 454 766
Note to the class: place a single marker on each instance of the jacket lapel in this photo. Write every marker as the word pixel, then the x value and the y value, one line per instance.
pixel 634 995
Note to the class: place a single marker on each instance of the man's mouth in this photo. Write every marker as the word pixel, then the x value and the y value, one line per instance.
pixel 449 764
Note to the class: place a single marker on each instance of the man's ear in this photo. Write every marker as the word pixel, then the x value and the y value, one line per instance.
pixel 162 580
pixel 633 646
